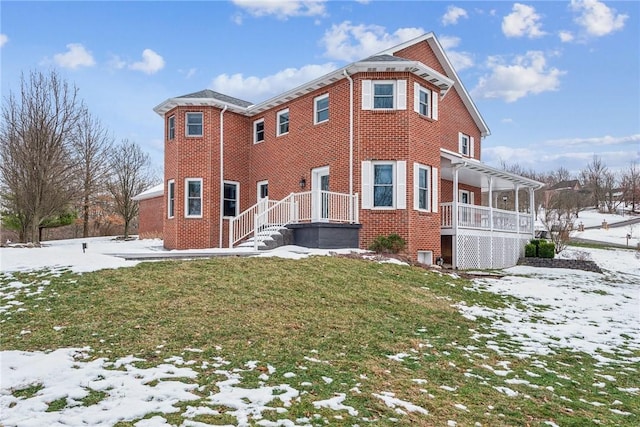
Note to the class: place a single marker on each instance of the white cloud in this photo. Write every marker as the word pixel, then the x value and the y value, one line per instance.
pixel 116 62
pixel 565 36
pixel 257 89
pixel 596 18
pixel 459 60
pixel 596 141
pixel 523 21
pixel 453 14
pixel 188 73
pixel 527 75
pixel 282 9
pixel 151 62
pixel 348 42
pixel 76 56
pixel 3 39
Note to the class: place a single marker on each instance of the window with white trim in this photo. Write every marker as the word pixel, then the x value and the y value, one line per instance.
pixel 425 101
pixel 193 198
pixel 321 109
pixel 258 131
pixel 384 185
pixel 230 198
pixel 465 145
pixel 384 94
pixel 171 127
pixel 283 122
pixel 194 124
pixel 171 198
pixel 425 188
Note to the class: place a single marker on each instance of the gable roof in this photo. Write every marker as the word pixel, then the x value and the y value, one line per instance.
pixel 564 185
pixel 435 45
pixel 385 61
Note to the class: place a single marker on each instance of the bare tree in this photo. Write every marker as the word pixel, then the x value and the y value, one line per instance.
pixel 558 221
pixel 559 175
pixel 35 156
pixel 593 177
pixel 92 147
pixel 131 175
pixel 630 183
pixel 611 199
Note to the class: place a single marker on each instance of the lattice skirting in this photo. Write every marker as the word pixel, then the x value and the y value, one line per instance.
pixel 497 250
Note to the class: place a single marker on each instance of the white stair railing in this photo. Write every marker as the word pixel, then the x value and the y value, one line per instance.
pixel 308 206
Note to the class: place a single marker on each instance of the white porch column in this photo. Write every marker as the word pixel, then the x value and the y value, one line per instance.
pixel 490 202
pixel 517 206
pixel 454 219
pixel 532 207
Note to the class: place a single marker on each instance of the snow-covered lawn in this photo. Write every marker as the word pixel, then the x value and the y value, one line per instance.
pixel 555 310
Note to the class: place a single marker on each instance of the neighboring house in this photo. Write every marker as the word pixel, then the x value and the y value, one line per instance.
pixel 389 144
pixel 572 185
pixel 151 212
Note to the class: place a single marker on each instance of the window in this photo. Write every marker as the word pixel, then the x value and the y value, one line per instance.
pixel 258 131
pixel 321 109
pixel 384 94
pixel 193 197
pixel 465 197
pixel 263 190
pixel 171 196
pixel 425 101
pixel 384 185
pixel 466 145
pixel 230 199
pixel 425 188
pixel 283 122
pixel 194 124
pixel 171 127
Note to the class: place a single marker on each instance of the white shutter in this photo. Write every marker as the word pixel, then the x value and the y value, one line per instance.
pixel 401 85
pixel 416 97
pixel 434 104
pixel 401 186
pixel 367 97
pixel 416 186
pixel 460 142
pixel 472 197
pixel 365 180
pixel 472 143
pixel 434 189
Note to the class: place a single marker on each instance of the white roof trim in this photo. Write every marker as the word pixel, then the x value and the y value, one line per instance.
pixel 472 164
pixel 150 193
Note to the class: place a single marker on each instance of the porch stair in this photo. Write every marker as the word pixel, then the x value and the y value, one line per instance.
pixel 270 238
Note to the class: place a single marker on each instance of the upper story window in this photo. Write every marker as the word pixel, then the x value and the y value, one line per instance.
pixel 171 127
pixel 321 109
pixel 384 184
pixel 283 122
pixel 258 131
pixel 194 124
pixel 425 101
pixel 384 94
pixel 466 145
pixel 193 198
pixel 171 196
pixel 230 198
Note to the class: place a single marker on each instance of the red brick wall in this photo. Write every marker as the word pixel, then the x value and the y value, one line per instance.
pixel 151 219
pixel 284 160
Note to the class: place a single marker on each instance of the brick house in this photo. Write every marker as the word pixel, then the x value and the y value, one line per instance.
pixel 389 144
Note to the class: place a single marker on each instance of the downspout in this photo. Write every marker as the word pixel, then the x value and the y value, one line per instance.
pixel 346 74
pixel 221 174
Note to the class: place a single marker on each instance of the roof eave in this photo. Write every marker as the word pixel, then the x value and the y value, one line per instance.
pixel 172 103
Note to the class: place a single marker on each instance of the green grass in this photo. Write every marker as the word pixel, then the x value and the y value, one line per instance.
pixel 350 314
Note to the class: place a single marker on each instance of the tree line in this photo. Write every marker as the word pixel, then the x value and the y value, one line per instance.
pixel 55 155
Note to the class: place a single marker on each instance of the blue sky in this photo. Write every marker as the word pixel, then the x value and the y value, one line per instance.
pixel 556 82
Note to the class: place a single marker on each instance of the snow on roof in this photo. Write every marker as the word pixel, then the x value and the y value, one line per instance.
pixel 150 193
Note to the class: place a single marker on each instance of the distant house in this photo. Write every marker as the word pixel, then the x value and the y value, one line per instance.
pixel 388 144
pixel 568 185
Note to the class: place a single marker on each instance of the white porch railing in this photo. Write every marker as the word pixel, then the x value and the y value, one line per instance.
pixel 310 206
pixel 485 218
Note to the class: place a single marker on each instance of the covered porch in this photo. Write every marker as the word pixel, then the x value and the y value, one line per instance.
pixel 487 215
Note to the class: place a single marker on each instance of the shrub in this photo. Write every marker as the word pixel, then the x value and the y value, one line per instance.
pixel 530 250
pixel 391 244
pixel 547 250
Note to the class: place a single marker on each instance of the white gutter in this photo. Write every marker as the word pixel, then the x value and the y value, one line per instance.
pixel 221 174
pixel 346 74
